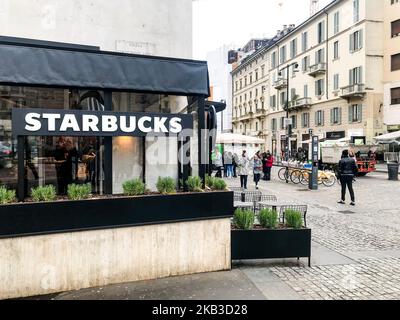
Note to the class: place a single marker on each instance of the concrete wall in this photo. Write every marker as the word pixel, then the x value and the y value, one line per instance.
pixel 70 261
pixel 145 27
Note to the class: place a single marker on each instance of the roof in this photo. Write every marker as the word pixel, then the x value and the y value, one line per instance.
pixel 34 64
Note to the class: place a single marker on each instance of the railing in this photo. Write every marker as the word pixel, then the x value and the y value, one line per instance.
pixel 302 102
pixel 317 68
pixel 281 83
pixel 353 89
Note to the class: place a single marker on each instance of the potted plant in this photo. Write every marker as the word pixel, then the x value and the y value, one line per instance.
pixel 270 239
pixel 46 213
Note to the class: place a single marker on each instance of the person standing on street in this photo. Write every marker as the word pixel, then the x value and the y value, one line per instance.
pixel 347 169
pixel 257 169
pixel 243 169
pixel 218 164
pixel 235 161
pixel 269 164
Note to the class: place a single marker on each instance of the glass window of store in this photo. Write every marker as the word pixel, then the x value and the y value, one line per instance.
pixel 50 160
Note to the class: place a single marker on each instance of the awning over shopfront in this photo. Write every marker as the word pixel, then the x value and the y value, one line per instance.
pixel 393 137
pixel 41 66
pixel 232 138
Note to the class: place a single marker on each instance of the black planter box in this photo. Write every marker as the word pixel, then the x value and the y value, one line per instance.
pixel 271 244
pixel 24 219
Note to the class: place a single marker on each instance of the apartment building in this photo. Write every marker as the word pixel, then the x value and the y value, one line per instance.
pixel 336 88
pixel 392 65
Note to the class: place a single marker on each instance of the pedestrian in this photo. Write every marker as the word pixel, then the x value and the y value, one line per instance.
pixel 257 168
pixel 264 165
pixel 229 164
pixel 218 165
pixel 224 164
pixel 269 165
pixel 243 169
pixel 235 161
pixel 347 169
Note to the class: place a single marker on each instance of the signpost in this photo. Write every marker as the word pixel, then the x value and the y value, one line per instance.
pixel 313 180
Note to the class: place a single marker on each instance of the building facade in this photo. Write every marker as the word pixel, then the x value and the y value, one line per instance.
pixel 330 72
pixel 392 65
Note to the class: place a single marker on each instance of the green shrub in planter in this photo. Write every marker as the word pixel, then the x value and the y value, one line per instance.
pixel 194 184
pixel 7 196
pixel 294 219
pixel 209 181
pixel 219 184
pixel 243 219
pixel 134 187
pixel 269 218
pixel 79 191
pixel 44 194
pixel 166 185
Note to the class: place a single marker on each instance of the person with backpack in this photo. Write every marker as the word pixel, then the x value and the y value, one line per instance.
pixel 347 170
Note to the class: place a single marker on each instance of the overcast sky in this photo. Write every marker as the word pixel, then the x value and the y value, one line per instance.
pixel 219 22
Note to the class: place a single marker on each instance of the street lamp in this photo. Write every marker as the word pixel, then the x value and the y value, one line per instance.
pixel 295 66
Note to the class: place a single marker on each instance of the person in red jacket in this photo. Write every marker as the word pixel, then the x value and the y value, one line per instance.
pixel 268 166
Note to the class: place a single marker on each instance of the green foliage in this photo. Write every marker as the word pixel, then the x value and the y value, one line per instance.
pixel 219 184
pixel 194 184
pixel 243 219
pixel 7 196
pixel 79 191
pixel 44 194
pixel 166 185
pixel 134 187
pixel 209 181
pixel 268 218
pixel 294 219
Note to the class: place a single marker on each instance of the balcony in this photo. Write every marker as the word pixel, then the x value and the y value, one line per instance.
pixel 280 84
pixel 317 69
pixel 353 91
pixel 301 103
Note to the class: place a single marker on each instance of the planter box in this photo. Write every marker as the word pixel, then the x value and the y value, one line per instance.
pixel 25 219
pixel 271 244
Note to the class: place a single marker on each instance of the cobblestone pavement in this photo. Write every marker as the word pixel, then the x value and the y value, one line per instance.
pixel 368 234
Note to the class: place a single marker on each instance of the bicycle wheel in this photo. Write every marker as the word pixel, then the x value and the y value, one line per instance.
pixel 329 181
pixel 304 178
pixel 295 176
pixel 283 174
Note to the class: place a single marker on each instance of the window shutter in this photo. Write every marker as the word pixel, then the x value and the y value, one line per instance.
pixel 332 115
pixel 351 46
pixel 351 78
pixel 360 74
pixel 359 116
pixel 340 115
pixel 316 118
pixel 316 88
pixel 323 55
pixel 360 39
pixel 350 115
pixel 323 117
pixel 322 86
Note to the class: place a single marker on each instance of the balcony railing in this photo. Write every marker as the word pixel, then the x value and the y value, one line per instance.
pixel 316 69
pixel 301 103
pixel 354 90
pixel 280 84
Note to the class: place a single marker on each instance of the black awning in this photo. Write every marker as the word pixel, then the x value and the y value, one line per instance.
pixel 40 66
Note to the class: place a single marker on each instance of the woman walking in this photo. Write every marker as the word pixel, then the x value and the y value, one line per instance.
pixel 243 169
pixel 257 169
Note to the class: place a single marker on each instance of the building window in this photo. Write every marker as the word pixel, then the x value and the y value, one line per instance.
pixel 256 92
pixel 321 32
pixel 336 115
pixel 283 55
pixel 319 118
pixel 396 28
pixel 304 41
pixel 305 91
pixel 273 60
pixel 256 126
pixel 273 101
pixel 273 125
pixel 355 113
pixel 396 62
pixel 237 86
pixel 395 96
pixel 262 72
pixel 293 95
pixel 294 121
pixel 336 22
pixel 319 87
pixel 283 99
pixel 356 11
pixel 320 56
pixel 305 120
pixel 336 82
pixel 355 76
pixel 293 48
pixel 251 78
pixel 245 81
pixel 336 50
pixel 356 41
pixel 251 95
pixel 256 73
pixel 245 97
pixel 241 84
pixel 305 63
pixel 282 123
